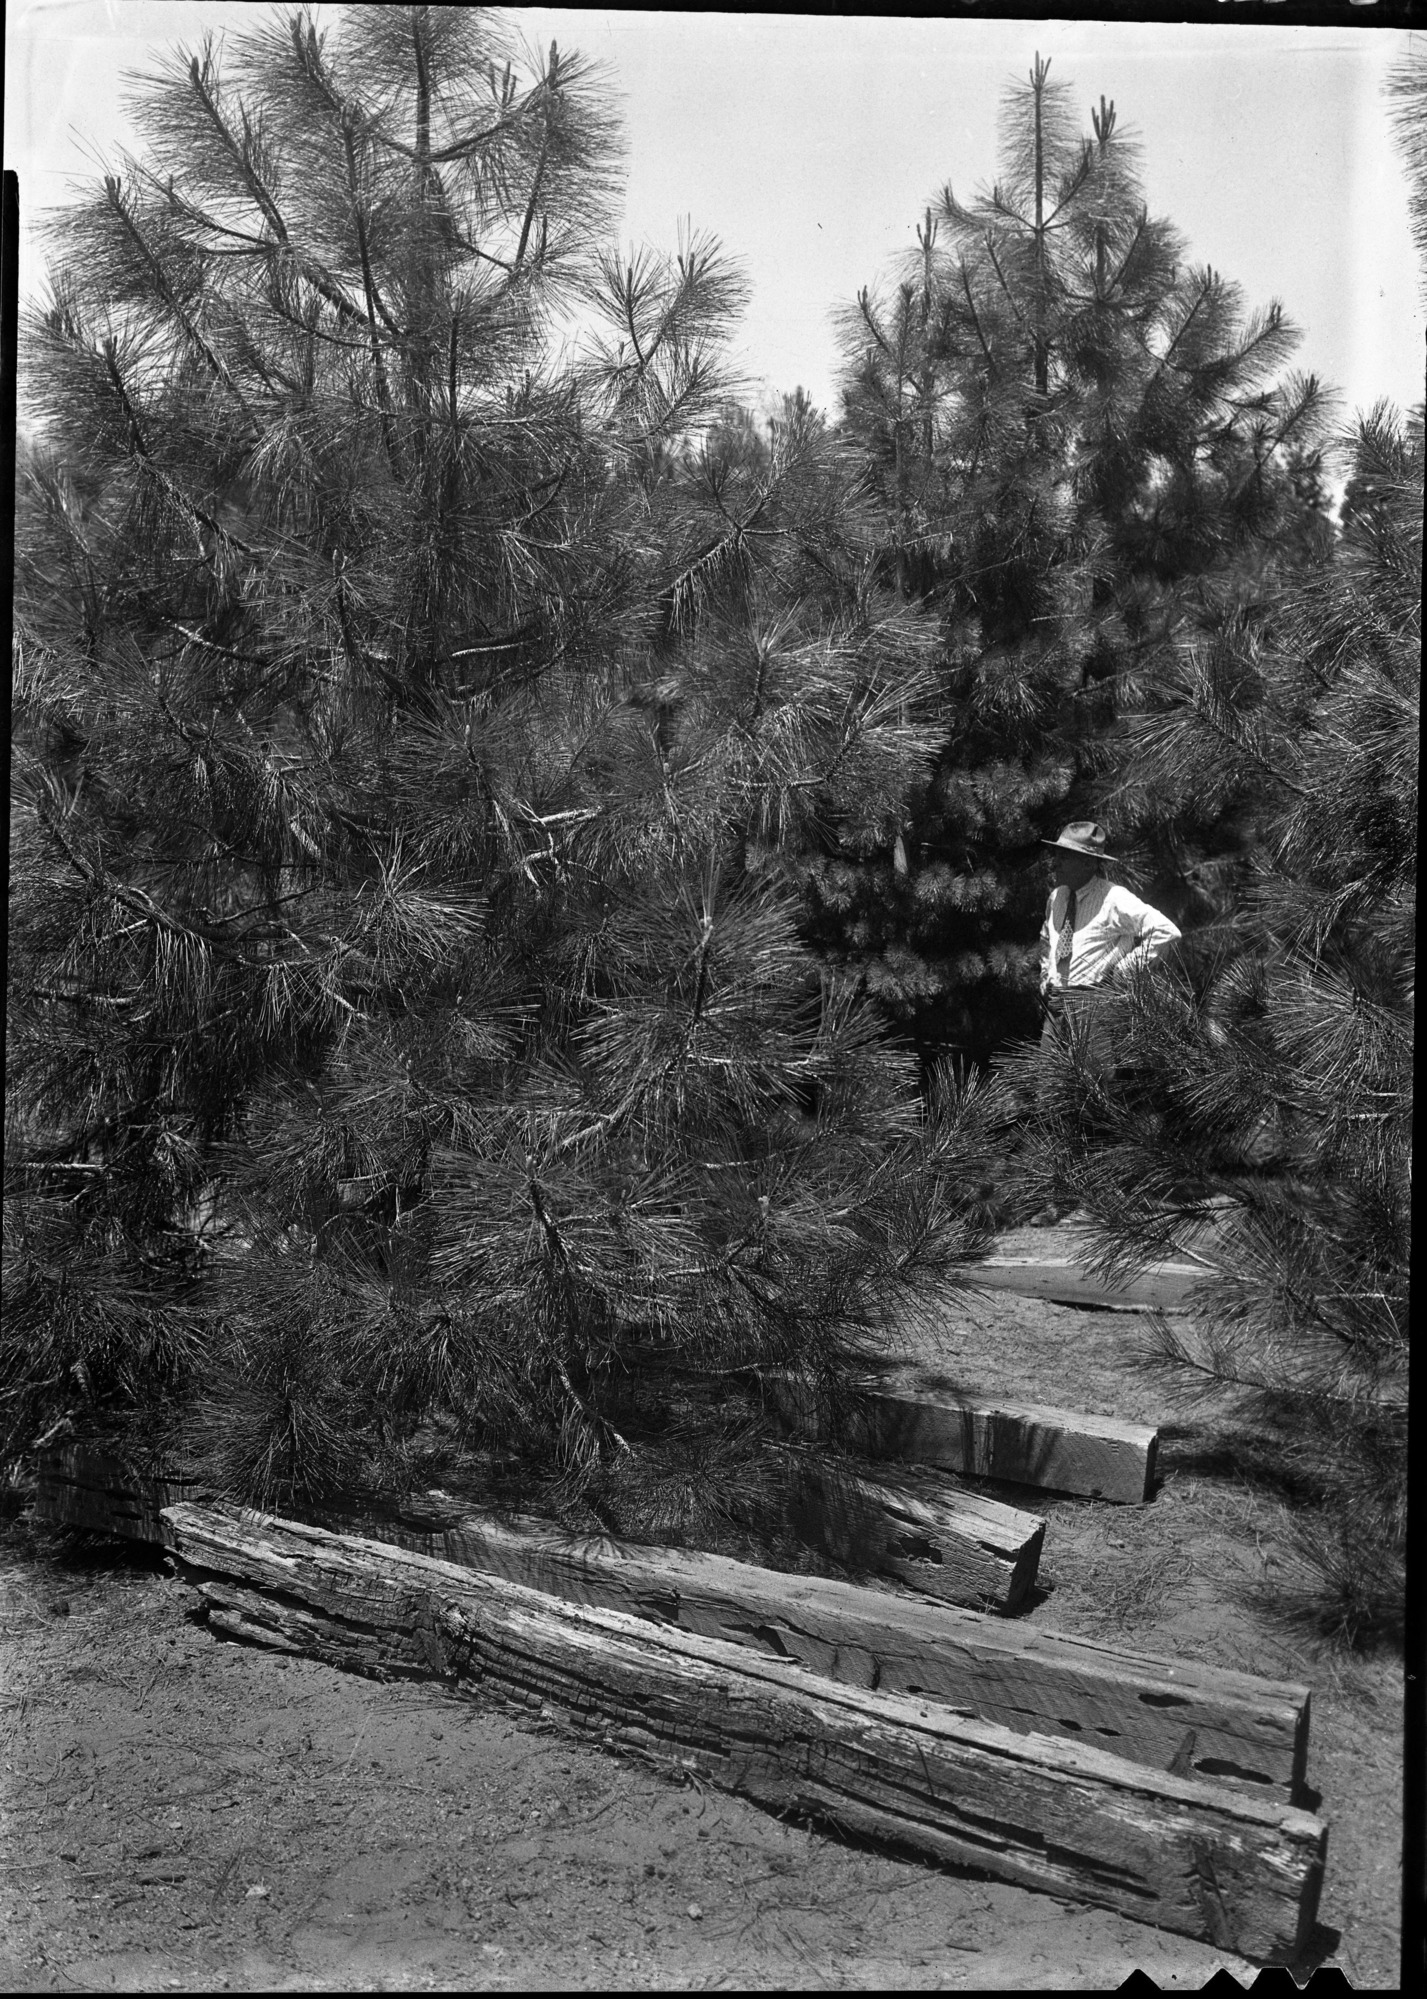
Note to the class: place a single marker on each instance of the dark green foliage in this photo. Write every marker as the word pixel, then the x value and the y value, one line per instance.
pixel 1279 1078
pixel 426 704
pixel 1084 456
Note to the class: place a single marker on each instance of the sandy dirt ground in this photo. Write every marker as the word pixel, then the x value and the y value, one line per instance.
pixel 184 1813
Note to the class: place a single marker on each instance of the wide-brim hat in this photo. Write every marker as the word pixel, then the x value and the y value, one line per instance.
pixel 1081 836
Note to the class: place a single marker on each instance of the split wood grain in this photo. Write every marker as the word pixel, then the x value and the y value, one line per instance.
pixel 921 1416
pixel 1245 1729
pixel 962 1547
pixel 1239 1728
pixel 1053 1815
pixel 958 1546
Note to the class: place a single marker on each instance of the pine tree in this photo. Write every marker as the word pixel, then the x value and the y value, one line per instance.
pixel 1407 107
pixel 1083 459
pixel 424 711
pixel 1260 1115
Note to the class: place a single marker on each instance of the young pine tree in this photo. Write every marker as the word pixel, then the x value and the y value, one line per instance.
pixel 1279 1079
pixel 420 720
pixel 1081 456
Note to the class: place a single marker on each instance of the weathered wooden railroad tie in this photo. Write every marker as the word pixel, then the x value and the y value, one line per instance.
pixel 953 1733
pixel 917 1414
pixel 946 1543
pixel 958 1546
pixel 1245 1729
pixel 1164 1287
pixel 1022 1262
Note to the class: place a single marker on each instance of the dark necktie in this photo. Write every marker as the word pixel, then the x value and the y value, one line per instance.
pixel 1066 943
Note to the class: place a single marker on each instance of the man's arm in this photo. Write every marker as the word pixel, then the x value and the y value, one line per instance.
pixel 1150 927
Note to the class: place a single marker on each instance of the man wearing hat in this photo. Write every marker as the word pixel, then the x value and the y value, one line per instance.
pixel 1094 930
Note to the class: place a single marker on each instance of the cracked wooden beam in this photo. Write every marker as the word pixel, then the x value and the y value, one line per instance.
pixel 1200 1720
pixel 1047 1813
pixel 1230 1726
pixel 959 1546
pixel 1161 1287
pixel 924 1417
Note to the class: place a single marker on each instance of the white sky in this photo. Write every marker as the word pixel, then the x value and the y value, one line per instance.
pixel 810 145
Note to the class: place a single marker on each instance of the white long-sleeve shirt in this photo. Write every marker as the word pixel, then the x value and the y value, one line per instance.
pixel 1113 929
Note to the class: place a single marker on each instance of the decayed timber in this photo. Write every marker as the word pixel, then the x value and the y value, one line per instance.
pixel 960 1546
pixel 955 1545
pixel 1054 1815
pixel 1237 1728
pixel 1244 1729
pixel 1060 1270
pixel 85 1488
pixel 921 1416
pixel 1163 1287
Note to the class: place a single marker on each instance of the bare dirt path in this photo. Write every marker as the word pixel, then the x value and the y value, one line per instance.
pixel 180 1812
